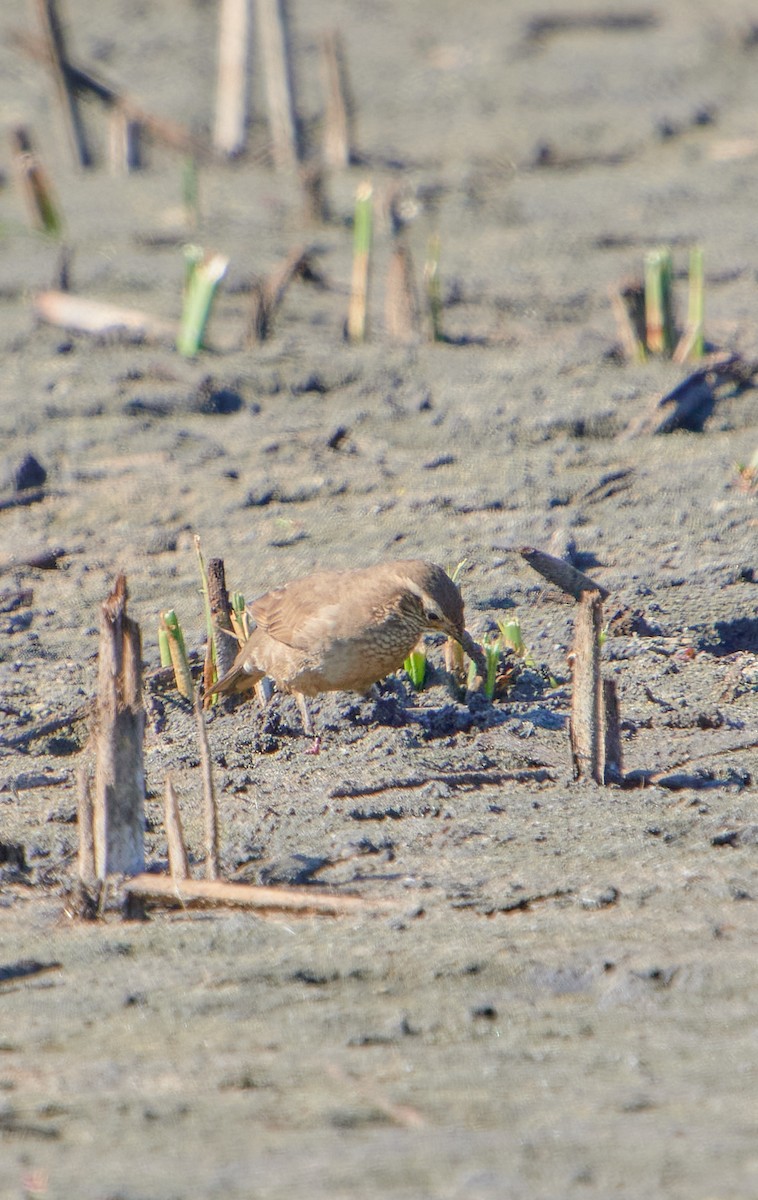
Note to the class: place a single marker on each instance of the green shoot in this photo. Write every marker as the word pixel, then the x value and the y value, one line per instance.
pixel 178 652
pixel 692 342
pixel 362 222
pixel 240 617
pixel 202 277
pixel 190 192
pixel 492 648
pixel 433 287
pixel 415 666
pixel 658 301
pixel 164 647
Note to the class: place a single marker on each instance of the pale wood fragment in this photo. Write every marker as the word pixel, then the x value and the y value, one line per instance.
pixel 587 708
pixel 282 899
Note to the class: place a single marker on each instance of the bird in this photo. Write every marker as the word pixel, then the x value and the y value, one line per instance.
pixel 344 630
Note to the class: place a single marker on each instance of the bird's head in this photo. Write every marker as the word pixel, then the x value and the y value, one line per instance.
pixel 438 598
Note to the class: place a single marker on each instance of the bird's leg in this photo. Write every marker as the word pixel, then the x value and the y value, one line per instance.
pixel 263 690
pixel 308 723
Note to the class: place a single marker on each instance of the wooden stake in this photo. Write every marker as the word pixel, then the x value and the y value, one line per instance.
pixel 401 311
pixel 209 794
pixel 119 818
pixel 230 129
pixel 178 859
pixel 245 895
pixel 587 709
pixel 280 98
pixel 226 646
pixel 338 107
pixel 57 60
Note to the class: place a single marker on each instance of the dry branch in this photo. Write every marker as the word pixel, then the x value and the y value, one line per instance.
pixel 57 60
pixel 244 895
pixel 119 818
pixel 81 315
pixel 268 294
pixel 570 580
pixel 587 706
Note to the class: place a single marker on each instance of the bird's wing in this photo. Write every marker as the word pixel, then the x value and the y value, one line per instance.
pixel 303 612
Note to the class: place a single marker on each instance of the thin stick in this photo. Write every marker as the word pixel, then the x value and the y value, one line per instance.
pixel 245 895
pixel 400 301
pixel 230 129
pixel 561 573
pixel 178 859
pixel 209 794
pixel 85 823
pixel 119 820
pixel 57 60
pixel 587 712
pixel 93 316
pixel 338 108
pixel 357 315
pixel 34 183
pixel 280 99
pixel 268 295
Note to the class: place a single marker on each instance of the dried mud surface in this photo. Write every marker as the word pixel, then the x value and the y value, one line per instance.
pixel 562 1001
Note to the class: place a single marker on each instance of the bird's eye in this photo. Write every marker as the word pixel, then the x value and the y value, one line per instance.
pixel 432 616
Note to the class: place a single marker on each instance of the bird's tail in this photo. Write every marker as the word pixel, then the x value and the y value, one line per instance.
pixel 237 679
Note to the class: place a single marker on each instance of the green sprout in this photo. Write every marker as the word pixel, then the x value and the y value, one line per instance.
pixel 169 625
pixel 492 648
pixel 659 317
pixel 362 221
pixel 433 288
pixel 202 277
pixel 415 666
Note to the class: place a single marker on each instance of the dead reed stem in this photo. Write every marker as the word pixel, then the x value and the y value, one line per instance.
pixel 401 308
pixel 34 184
pixel 338 107
pixel 230 128
pixel 587 707
pixel 614 769
pixel 124 142
pixel 245 895
pixel 93 316
pixel 221 620
pixel 57 61
pixel 119 815
pixel 178 859
pixel 273 31
pixel 85 824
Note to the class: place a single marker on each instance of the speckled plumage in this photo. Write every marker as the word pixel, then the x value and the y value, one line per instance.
pixel 344 630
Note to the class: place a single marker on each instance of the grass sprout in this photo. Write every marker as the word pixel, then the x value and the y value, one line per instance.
pixel 202 275
pixel 415 666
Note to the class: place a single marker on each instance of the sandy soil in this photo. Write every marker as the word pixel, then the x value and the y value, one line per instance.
pixel 563 1001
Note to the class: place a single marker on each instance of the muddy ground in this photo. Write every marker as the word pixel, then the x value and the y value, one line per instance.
pixel 562 1001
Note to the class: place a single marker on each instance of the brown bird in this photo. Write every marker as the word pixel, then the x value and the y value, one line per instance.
pixel 337 631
